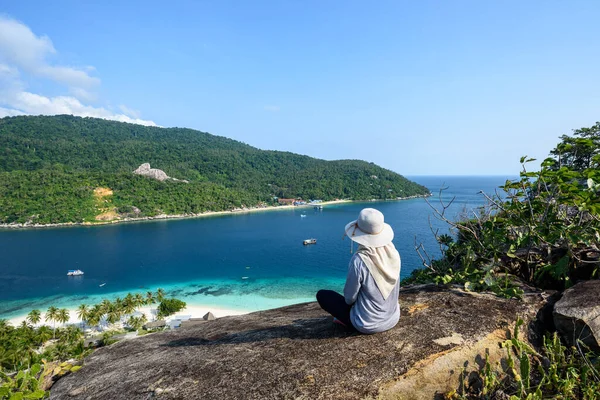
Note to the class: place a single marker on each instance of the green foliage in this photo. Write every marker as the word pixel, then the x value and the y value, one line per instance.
pixel 557 372
pixel 49 167
pixel 580 151
pixel 22 351
pixel 24 348
pixel 34 317
pixel 107 338
pixel 169 307
pixel 62 369
pixel 26 384
pixel 544 228
pixel 136 323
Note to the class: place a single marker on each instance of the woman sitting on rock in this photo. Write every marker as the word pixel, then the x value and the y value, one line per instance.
pixel 370 300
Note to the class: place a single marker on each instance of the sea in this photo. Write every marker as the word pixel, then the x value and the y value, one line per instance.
pixel 243 261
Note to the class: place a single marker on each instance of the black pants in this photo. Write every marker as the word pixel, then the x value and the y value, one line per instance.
pixel 334 304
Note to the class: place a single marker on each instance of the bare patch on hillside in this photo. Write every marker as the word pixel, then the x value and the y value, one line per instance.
pixel 104 204
pixel 100 192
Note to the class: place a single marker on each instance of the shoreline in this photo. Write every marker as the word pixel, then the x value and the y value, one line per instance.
pixel 193 310
pixel 160 217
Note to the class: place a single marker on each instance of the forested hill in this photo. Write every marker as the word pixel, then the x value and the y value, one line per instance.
pixel 51 165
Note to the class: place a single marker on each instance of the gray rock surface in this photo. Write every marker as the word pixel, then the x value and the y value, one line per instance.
pixel 153 173
pixel 208 316
pixel 577 314
pixel 296 352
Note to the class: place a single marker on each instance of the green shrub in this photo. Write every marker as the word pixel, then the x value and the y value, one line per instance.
pixel 26 384
pixel 543 228
pixel 169 307
pixel 556 372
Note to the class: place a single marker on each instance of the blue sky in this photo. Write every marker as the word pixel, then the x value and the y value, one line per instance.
pixel 421 88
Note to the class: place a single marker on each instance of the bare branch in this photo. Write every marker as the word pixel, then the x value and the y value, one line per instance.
pixel 425 258
pixel 492 200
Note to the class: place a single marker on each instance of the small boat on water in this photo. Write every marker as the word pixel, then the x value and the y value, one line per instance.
pixel 309 241
pixel 302 215
pixel 102 284
pixel 74 272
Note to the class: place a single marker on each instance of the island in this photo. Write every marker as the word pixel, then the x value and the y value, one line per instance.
pixel 72 170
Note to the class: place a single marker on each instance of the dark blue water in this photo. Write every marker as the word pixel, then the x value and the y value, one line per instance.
pixel 243 261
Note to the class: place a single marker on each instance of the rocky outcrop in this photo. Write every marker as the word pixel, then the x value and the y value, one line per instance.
pixel 296 352
pixel 577 314
pixel 153 173
pixel 209 316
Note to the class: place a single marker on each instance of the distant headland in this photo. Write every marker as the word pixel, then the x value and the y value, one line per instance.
pixel 64 170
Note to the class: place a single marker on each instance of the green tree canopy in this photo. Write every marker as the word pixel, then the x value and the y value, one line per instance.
pixel 50 166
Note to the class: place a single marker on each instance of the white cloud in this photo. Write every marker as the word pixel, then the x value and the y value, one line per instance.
pixel 8 71
pixel 35 104
pixel 83 94
pixel 20 47
pixel 129 111
pixel 272 108
pixel 9 78
pixel 22 54
pixel 6 112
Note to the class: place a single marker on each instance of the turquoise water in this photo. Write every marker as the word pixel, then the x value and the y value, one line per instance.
pixel 247 262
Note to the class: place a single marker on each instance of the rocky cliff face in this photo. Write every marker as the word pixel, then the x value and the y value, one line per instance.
pixel 153 173
pixel 577 314
pixel 297 352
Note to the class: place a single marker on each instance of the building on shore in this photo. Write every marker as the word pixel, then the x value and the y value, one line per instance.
pixel 286 201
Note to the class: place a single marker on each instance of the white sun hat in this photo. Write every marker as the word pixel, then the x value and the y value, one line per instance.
pixel 369 229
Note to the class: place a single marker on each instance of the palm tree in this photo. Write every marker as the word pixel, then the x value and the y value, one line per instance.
pixel 51 315
pixel 72 334
pixel 134 322
pixel 34 317
pixel 113 316
pixel 139 300
pixel 118 306
pixel 24 346
pixel 83 312
pixel 61 351
pixel 105 305
pixel 98 311
pixel 63 316
pixel 79 350
pixel 137 322
pixel 160 294
pixel 43 334
pixel 94 316
pixel 129 304
pixel 149 298
pixel 119 309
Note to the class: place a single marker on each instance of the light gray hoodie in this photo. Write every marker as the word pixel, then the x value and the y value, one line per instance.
pixel 370 313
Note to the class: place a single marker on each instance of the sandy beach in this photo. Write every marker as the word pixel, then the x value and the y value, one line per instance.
pixel 175 216
pixel 245 210
pixel 195 311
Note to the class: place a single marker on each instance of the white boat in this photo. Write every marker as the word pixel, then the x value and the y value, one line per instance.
pixel 302 215
pixel 309 241
pixel 74 272
pixel 102 284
